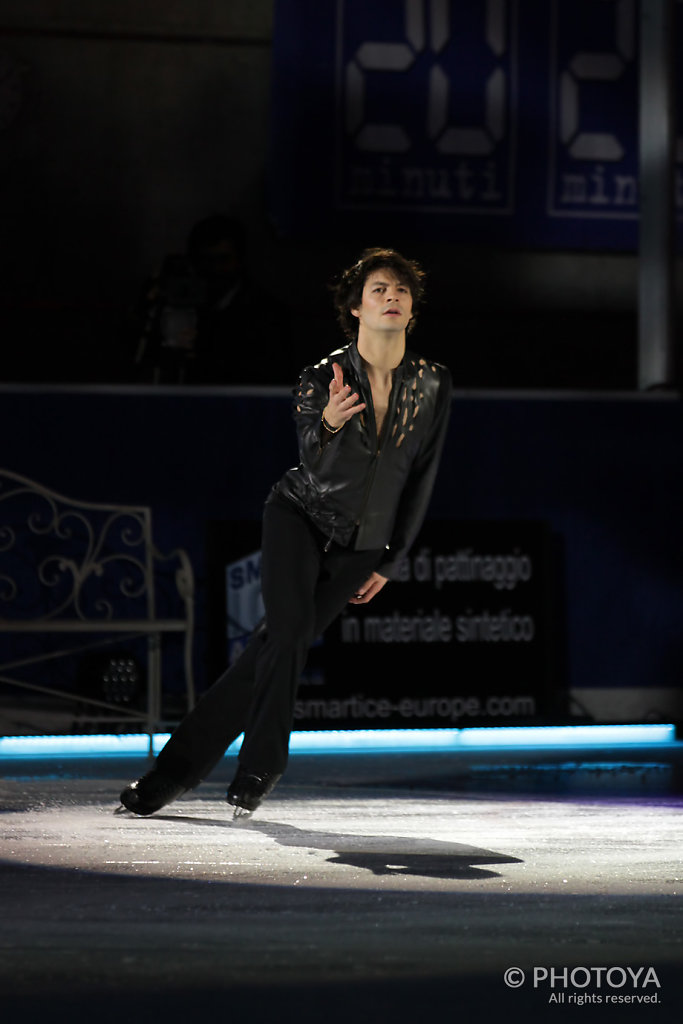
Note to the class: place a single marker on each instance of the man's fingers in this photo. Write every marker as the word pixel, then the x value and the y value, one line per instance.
pixel 343 403
pixel 341 396
pixel 371 587
pixel 363 596
pixel 345 411
pixel 352 410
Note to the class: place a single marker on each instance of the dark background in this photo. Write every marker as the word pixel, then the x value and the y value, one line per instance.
pixel 122 124
pixel 602 474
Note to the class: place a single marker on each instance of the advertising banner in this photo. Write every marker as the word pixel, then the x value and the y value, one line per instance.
pixel 465 637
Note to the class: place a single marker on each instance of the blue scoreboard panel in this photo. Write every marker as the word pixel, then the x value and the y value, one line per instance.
pixel 500 121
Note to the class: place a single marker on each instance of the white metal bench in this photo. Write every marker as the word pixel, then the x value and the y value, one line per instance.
pixel 88 575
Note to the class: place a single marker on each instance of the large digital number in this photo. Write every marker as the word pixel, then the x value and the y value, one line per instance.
pixel 384 138
pixel 587 66
pixel 467 141
pixel 392 57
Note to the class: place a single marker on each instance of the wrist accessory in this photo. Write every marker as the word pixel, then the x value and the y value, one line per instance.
pixel 331 430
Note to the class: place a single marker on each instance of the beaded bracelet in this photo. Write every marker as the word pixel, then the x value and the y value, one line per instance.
pixel 331 430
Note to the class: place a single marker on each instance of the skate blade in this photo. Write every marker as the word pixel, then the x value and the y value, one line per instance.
pixel 241 814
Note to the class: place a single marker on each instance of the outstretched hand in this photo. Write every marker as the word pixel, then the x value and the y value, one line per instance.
pixel 372 586
pixel 343 403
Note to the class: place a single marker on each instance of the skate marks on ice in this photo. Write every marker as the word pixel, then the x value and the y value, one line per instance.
pixel 332 841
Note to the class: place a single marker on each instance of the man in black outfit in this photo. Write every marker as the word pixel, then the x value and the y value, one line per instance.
pixel 371 420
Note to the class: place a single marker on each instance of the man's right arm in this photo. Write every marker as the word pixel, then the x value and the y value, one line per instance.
pixel 311 397
pixel 322 408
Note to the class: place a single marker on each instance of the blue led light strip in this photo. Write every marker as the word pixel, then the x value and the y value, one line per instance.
pixel 364 740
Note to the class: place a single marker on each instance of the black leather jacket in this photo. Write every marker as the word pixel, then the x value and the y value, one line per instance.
pixel 357 488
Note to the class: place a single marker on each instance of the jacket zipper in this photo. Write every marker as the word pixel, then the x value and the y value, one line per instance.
pixel 370 406
pixel 368 488
pixel 391 412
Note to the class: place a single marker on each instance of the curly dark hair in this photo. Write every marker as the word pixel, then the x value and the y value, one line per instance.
pixel 347 290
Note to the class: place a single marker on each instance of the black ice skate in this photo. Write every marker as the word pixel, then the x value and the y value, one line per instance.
pixel 150 793
pixel 248 789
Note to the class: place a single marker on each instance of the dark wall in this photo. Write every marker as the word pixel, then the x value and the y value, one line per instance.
pixel 603 473
pixel 122 123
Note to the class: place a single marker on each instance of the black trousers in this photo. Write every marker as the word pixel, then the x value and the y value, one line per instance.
pixel 304 588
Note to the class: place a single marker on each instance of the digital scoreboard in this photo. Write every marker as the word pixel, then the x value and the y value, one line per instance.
pixel 502 121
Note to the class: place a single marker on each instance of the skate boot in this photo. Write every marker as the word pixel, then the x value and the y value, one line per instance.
pixel 150 793
pixel 248 789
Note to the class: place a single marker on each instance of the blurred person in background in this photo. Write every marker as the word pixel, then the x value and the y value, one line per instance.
pixel 204 320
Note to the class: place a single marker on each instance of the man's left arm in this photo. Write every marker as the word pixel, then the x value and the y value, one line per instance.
pixel 420 483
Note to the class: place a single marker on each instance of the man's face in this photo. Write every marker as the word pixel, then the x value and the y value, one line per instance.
pixel 386 302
